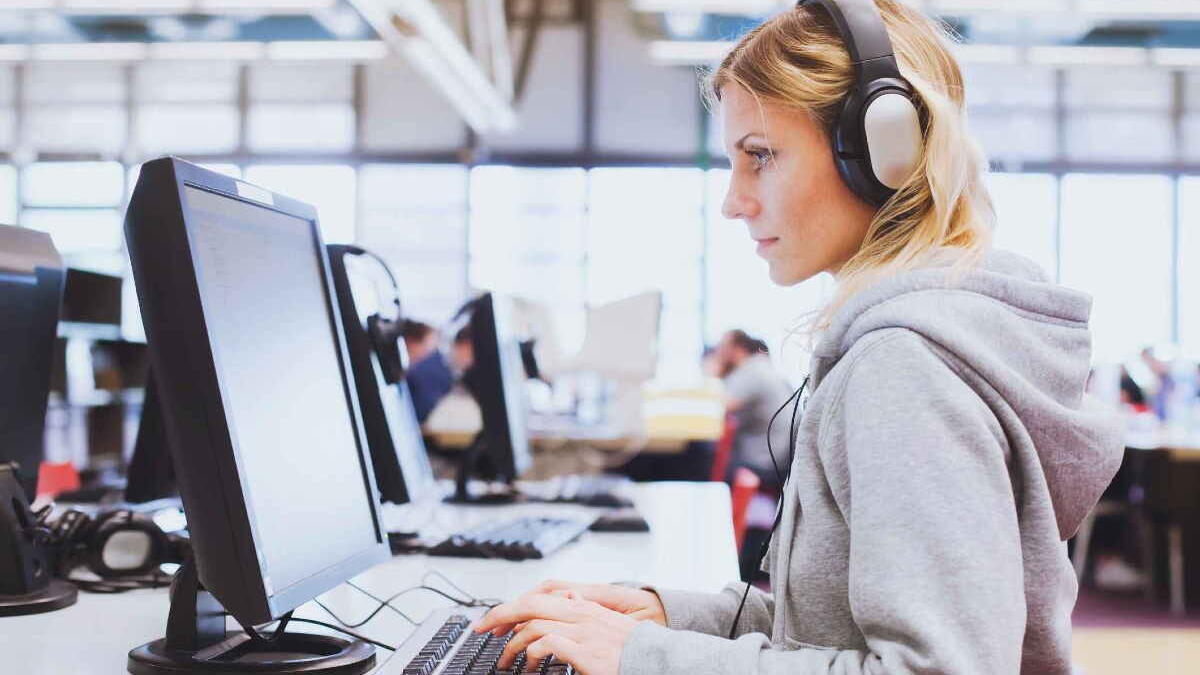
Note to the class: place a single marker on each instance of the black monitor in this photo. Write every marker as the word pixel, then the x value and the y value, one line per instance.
pixel 150 475
pixel 31 288
pixel 260 413
pixel 402 468
pixel 91 297
pixel 496 380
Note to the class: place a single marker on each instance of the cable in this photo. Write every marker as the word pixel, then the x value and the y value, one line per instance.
pixel 762 553
pixel 344 631
pixel 484 602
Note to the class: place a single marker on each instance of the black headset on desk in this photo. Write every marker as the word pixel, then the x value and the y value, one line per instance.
pixel 385 333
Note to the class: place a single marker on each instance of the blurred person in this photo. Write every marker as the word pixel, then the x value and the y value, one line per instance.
pixel 429 376
pixel 945 451
pixel 754 391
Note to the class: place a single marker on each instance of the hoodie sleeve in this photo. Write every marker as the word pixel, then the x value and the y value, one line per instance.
pixel 712 613
pixel 917 465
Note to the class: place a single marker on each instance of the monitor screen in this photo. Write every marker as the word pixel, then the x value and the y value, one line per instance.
pixel 512 378
pixel 271 327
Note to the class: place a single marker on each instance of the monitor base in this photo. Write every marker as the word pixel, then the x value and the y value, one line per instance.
pixel 238 653
pixel 56 595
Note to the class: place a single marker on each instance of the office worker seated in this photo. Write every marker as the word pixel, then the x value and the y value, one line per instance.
pixel 429 376
pixel 943 453
pixel 753 392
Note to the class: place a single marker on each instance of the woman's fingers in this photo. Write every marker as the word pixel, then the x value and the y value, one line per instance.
pixel 542 606
pixel 530 633
pixel 562 647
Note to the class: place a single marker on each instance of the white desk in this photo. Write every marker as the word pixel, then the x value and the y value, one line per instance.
pixel 690 546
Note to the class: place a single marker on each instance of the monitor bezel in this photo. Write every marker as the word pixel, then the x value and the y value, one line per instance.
pixel 208 467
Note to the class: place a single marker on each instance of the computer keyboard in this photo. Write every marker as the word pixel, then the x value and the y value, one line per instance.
pixel 443 644
pixel 518 539
pixel 588 490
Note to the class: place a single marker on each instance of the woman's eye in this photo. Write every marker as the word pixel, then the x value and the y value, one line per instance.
pixel 761 157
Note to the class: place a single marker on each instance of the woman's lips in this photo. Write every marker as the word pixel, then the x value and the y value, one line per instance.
pixel 764 244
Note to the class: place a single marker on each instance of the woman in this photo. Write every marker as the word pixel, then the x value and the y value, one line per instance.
pixel 944 454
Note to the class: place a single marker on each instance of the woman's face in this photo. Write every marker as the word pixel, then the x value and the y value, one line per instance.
pixel 786 188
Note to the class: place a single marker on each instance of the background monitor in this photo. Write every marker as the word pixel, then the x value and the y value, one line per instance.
pixel 91 297
pixel 31 287
pixel 257 402
pixel 496 380
pixel 402 468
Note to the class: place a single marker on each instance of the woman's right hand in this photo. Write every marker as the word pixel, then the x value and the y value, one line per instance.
pixel 636 603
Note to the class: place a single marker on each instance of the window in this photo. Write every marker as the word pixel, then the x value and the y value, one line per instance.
pixel 415 216
pixel 1116 246
pixel 51 184
pixel 527 239
pixel 330 188
pixel 1027 216
pixel 8 195
pixel 646 232
pixel 1188 282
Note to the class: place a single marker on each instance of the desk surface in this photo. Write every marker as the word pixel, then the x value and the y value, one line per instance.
pixel 690 546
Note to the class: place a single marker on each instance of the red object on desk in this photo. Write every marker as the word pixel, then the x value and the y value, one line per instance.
pixel 745 486
pixel 55 478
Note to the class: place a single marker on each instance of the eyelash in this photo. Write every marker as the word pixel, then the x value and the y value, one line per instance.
pixel 760 157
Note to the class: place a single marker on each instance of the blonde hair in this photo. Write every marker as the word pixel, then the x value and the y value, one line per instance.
pixel 799 60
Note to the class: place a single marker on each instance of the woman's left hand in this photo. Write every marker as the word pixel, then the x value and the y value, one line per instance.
pixel 585 634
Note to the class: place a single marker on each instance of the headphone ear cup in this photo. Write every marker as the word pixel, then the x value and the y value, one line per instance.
pixel 892 132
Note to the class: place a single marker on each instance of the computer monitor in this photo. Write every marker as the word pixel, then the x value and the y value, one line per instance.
pixel 31 288
pixel 496 380
pixel 91 297
pixel 260 413
pixel 150 474
pixel 402 468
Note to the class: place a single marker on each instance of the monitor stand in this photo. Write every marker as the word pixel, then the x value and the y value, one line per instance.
pixel 27 584
pixel 466 467
pixel 196 641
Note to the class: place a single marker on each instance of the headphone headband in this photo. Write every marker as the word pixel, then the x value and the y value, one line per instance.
pixel 861 27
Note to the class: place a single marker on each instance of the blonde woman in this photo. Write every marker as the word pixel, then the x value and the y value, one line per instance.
pixel 944 454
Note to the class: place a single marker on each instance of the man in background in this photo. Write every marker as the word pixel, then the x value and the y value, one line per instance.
pixel 753 392
pixel 429 376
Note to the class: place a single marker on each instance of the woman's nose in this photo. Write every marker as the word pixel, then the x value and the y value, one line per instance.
pixel 738 205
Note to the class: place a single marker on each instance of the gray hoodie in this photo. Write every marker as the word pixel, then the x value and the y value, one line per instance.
pixel 944 457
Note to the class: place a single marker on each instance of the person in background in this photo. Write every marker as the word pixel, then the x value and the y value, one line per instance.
pixel 753 393
pixel 429 377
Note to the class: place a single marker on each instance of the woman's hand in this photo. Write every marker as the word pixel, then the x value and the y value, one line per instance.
pixel 581 632
pixel 634 602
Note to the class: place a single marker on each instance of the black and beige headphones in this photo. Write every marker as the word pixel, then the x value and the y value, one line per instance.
pixel 877 139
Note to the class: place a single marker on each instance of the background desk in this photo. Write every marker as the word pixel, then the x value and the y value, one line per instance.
pixel 690 546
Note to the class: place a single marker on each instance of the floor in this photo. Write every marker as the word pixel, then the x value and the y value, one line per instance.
pixel 1125 635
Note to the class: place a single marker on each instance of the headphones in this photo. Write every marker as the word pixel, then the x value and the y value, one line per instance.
pixel 877 137
pixel 122 548
pixel 385 333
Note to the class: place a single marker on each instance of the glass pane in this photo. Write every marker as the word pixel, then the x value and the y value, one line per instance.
pixel 646 232
pixel 300 127
pixel 1189 265
pixel 187 128
pixel 8 195
pixel 78 230
pixel 330 188
pixel 1116 246
pixel 413 208
pixel 78 128
pixel 1027 216
pixel 73 184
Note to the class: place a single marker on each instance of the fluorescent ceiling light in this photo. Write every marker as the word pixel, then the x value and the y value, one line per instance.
pixel 688 52
pixel 1086 56
pixel 1175 58
pixel 207 51
pixel 90 51
pixel 14 53
pixel 288 6
pixel 328 50
pixel 713 6
pixel 995 54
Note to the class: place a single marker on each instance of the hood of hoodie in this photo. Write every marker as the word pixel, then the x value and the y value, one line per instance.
pixel 1026 336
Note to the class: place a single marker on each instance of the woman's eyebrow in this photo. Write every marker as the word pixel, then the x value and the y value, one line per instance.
pixel 741 143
